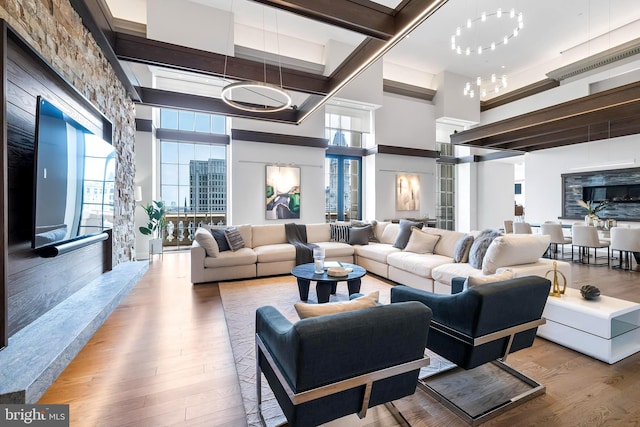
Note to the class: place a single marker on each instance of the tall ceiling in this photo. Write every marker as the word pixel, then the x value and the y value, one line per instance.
pixel 554 34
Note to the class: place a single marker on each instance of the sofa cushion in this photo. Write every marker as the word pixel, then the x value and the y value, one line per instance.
pixel 234 238
pixel 340 232
pixel 389 233
pixel 333 250
pixel 244 256
pixel 514 249
pixel 421 242
pixel 479 247
pixel 418 264
pixel 372 228
pixel 376 251
pixel 360 235
pixel 404 232
pixel 448 239
pixel 268 234
pixel 276 252
pixel 462 248
pixel 318 233
pixel 305 310
pixel 221 238
pixel 378 229
pixel 445 272
pixel 206 240
pixel 476 280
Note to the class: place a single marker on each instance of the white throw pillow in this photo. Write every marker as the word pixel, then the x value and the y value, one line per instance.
pixel 514 249
pixel 206 240
pixel 483 280
pixel 314 310
pixel 421 242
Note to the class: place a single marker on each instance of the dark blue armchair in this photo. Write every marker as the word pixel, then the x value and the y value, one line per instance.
pixel 480 325
pixel 327 367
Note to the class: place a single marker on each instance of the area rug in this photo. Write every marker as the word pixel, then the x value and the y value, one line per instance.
pixel 240 300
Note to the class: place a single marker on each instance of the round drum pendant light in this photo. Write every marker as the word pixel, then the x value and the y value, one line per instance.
pixel 255 96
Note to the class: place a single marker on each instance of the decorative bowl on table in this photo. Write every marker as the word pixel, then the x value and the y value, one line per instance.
pixel 338 271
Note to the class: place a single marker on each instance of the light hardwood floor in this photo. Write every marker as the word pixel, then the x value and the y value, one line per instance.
pixel 163 358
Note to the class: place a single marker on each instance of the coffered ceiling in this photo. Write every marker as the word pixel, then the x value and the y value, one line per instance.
pixel 321 44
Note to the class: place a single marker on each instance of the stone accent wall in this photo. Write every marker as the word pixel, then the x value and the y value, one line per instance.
pixel 55 30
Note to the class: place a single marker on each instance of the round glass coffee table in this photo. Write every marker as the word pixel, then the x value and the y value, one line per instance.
pixel 325 284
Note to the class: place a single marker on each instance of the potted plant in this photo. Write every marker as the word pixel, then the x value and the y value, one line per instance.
pixel 156 213
pixel 592 210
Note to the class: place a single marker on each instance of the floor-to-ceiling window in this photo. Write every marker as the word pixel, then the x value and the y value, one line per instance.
pixel 193 173
pixel 445 201
pixel 345 128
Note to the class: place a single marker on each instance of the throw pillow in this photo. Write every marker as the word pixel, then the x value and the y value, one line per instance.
pixel 405 232
pixel 359 235
pixel 421 242
pixel 221 239
pixel 480 246
pixel 206 240
pixel 483 280
pixel 305 310
pixel 372 229
pixel 234 238
pixel 514 249
pixel 340 233
pixel 462 248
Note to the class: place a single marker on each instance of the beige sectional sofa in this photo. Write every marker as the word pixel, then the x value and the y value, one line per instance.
pixel 267 253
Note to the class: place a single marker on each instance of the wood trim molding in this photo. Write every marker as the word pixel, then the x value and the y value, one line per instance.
pixel 611 113
pixel 182 135
pixel 4 191
pixel 169 99
pixel 144 125
pixel 278 138
pixel 347 151
pixel 518 94
pixel 404 89
pixel 402 151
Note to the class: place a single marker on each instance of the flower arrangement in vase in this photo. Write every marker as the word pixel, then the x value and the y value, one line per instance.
pixel 592 210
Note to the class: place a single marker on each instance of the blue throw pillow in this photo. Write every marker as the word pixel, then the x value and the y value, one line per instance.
pixel 221 239
pixel 405 232
pixel 462 248
pixel 480 246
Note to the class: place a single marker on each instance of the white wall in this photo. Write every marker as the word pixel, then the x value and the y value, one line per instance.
pixel 495 201
pixel 543 169
pixel 248 162
pixel 406 122
pixel 387 166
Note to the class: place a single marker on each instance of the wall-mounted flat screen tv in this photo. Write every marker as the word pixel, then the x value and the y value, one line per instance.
pixel 73 180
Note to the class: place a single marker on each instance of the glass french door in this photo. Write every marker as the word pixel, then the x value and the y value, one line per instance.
pixel 343 188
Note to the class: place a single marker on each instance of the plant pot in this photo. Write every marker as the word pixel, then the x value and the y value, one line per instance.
pixel 155 246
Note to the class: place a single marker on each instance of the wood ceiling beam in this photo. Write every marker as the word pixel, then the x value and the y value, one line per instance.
pixel 169 99
pixel 364 17
pixel 604 106
pixel 139 49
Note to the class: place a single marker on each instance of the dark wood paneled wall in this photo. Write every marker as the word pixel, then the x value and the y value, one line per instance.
pixel 33 285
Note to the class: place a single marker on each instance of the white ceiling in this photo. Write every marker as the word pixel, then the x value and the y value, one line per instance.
pixel 555 34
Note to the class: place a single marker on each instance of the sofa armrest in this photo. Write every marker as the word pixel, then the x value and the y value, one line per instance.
pixel 198 255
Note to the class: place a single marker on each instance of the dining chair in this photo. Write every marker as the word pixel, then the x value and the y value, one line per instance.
pixel 521 228
pixel 585 237
pixel 508 226
pixel 626 241
pixel 554 231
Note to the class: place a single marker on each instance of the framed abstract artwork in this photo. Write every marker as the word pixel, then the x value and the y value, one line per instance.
pixel 282 193
pixel 407 192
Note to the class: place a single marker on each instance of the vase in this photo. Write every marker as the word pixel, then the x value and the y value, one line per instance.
pixel 591 219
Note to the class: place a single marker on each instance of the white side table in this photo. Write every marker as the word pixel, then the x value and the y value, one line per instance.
pixel 607 328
